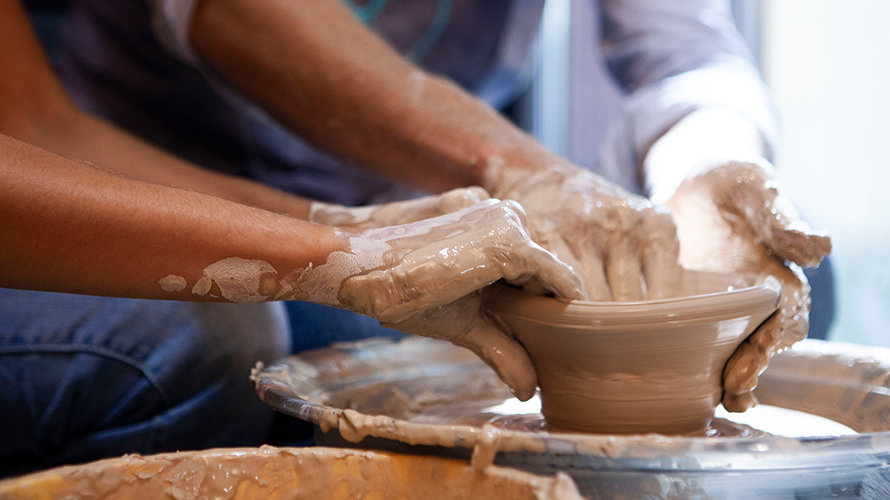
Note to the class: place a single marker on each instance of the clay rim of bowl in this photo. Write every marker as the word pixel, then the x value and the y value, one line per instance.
pixel 742 295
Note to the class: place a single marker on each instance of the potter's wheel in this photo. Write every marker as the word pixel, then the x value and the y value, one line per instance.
pixel 426 396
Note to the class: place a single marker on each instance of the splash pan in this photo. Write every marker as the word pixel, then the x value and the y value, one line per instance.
pixel 427 397
pixel 293 473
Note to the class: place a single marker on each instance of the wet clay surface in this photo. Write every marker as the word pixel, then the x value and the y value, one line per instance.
pixel 267 472
pixel 635 367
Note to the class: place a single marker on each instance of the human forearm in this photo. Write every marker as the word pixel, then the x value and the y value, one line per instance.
pixel 35 108
pixel 75 228
pixel 330 79
pixel 74 134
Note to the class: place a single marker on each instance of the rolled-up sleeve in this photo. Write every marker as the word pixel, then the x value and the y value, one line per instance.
pixel 171 21
pixel 674 57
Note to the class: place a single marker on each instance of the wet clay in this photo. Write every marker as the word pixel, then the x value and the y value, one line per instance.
pixel 239 280
pixel 173 283
pixel 633 368
pixel 306 473
pixel 624 247
pixel 484 243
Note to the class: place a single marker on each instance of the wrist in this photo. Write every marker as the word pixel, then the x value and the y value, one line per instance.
pixel 503 175
pixel 251 255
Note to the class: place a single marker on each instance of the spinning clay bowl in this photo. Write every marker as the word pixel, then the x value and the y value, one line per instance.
pixel 635 367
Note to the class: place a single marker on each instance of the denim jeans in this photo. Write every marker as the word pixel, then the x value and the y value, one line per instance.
pixel 83 378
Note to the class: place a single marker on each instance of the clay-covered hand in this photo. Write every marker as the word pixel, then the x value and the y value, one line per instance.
pixel 735 218
pixel 624 247
pixel 424 278
pixel 396 213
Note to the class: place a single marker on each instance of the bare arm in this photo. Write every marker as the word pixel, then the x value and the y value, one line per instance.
pixel 331 80
pixel 71 227
pixel 36 109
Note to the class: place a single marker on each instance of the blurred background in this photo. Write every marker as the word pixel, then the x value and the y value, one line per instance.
pixel 828 64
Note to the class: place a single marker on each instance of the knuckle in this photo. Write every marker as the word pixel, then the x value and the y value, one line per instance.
pixel 619 217
pixel 659 225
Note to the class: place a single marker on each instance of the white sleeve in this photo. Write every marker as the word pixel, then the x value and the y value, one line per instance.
pixel 672 58
pixel 170 22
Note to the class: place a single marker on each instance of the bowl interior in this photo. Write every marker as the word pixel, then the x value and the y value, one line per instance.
pixel 712 297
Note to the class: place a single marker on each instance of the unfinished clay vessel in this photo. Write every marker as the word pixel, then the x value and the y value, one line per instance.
pixel 635 367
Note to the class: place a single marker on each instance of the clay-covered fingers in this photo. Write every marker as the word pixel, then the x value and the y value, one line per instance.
pixel 464 323
pixel 788 325
pixel 505 249
pixel 576 244
pixel 611 226
pixel 664 275
pixel 627 252
pixel 529 261
pixel 623 268
pixel 750 359
pixel 399 212
pixel 460 198
pixel 593 274
pixel 623 247
pixel 405 212
pixel 789 237
pixel 440 260
pixel 643 263
pixel 750 191
pixel 738 403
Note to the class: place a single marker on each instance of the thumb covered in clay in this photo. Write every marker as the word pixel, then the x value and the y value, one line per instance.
pixel 750 191
pixel 737 214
